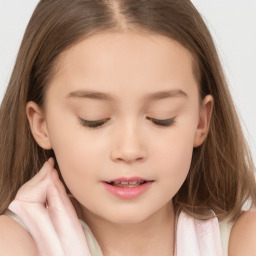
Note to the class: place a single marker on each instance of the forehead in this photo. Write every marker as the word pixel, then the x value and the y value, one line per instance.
pixel 126 62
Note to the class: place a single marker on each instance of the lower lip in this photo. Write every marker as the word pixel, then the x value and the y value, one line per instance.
pixel 128 192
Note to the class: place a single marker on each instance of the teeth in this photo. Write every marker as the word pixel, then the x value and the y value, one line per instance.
pixel 124 182
pixel 133 182
pixel 127 183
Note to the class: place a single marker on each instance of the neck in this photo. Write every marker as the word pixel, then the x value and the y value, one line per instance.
pixel 152 236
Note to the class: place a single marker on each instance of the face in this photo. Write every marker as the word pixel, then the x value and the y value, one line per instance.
pixel 129 82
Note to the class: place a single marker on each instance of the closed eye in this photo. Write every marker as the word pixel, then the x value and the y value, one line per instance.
pixel 93 124
pixel 99 123
pixel 164 122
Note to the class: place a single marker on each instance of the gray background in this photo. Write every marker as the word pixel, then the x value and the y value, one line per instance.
pixel 233 26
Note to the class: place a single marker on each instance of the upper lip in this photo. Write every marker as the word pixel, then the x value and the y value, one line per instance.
pixel 127 179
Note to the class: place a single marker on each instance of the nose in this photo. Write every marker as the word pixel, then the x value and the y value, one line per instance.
pixel 128 146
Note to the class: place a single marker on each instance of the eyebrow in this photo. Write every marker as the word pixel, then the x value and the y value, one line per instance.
pixel 105 96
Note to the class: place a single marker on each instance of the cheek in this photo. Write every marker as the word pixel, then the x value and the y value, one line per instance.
pixel 179 161
pixel 173 159
pixel 79 163
pixel 77 154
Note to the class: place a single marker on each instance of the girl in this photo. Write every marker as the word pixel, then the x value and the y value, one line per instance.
pixel 119 136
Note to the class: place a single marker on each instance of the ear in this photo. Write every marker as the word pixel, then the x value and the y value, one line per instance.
pixel 204 120
pixel 38 125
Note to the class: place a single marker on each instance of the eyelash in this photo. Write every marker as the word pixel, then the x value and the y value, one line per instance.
pixel 99 123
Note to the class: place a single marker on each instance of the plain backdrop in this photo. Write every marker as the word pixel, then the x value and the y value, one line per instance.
pixel 231 22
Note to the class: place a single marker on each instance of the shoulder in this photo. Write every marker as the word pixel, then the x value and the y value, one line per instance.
pixel 242 237
pixel 14 239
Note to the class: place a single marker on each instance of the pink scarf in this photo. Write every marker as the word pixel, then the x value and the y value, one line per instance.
pixel 193 237
pixel 197 237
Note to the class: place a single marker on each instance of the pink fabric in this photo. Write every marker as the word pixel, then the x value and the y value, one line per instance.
pixel 197 237
pixel 193 237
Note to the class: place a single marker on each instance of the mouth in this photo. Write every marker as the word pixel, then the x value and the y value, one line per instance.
pixel 128 188
pixel 125 182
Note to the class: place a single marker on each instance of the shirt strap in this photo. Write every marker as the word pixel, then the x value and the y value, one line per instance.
pixel 225 229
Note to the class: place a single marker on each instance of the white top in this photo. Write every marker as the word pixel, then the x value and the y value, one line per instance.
pixel 225 229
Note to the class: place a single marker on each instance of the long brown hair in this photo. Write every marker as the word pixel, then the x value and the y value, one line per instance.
pixel 221 177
